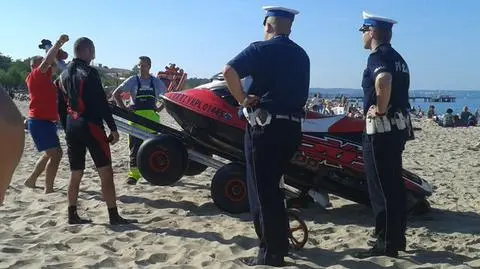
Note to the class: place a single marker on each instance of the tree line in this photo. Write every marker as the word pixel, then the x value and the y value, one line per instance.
pixel 13 74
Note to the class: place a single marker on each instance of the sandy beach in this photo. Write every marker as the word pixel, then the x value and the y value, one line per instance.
pixel 180 227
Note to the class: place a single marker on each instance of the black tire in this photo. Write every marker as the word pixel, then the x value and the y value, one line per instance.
pixel 162 160
pixel 229 189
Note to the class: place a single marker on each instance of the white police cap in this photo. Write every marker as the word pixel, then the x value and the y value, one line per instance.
pixel 370 20
pixel 276 11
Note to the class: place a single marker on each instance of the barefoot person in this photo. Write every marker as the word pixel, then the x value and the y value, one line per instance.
pixel 82 115
pixel 12 140
pixel 43 115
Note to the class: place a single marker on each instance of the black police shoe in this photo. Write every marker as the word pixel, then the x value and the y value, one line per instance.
pixel 376 251
pixel 401 247
pixel 251 261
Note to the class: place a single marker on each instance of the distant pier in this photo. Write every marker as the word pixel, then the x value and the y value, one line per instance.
pixel 429 99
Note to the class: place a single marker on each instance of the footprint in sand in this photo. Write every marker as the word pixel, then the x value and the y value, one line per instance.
pixel 124 239
pixel 108 247
pixel 107 262
pixel 37 214
pixel 49 223
pixel 73 229
pixel 155 219
pixel 153 259
pixel 132 234
pixel 11 250
pixel 61 246
pixel 24 263
pixel 206 263
pixel 157 257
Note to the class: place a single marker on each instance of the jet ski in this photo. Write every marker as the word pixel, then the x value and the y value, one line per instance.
pixel 328 161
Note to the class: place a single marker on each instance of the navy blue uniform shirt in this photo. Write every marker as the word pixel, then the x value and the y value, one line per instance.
pixel 386 59
pixel 281 74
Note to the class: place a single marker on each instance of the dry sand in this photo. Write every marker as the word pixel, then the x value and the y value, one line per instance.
pixel 180 227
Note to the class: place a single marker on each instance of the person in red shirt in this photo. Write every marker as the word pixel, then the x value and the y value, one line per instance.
pixel 43 116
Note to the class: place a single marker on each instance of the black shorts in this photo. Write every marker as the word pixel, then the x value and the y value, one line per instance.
pixel 82 135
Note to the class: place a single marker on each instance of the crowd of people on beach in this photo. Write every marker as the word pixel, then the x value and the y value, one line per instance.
pixel 335 106
pixel 341 105
pixel 449 119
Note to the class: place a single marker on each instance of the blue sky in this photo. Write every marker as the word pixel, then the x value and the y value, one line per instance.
pixel 438 38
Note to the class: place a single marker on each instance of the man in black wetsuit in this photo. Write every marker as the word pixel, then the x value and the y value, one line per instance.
pixel 82 110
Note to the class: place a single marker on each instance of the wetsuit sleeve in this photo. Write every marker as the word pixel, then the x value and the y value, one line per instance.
pixel 61 101
pixel 246 62
pixel 100 102
pixel 62 111
pixel 377 64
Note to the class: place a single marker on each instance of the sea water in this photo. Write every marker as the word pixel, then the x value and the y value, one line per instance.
pixel 471 99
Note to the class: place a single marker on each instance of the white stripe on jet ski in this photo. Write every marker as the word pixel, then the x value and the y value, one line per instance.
pixel 320 125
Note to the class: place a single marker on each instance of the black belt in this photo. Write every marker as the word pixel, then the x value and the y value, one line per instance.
pixel 287 117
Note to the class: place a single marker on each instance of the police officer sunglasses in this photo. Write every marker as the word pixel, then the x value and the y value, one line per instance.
pixel 365 28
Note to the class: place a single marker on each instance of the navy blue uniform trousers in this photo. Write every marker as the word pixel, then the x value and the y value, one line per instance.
pixel 268 150
pixel 382 154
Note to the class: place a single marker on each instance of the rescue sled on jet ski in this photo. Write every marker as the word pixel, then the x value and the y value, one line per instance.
pixel 329 160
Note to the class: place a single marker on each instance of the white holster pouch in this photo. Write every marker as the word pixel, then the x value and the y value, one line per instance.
pixel 378 124
pixel 400 120
pixel 259 117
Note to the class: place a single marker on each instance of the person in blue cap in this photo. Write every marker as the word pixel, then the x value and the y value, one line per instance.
pixel 280 70
pixel 386 82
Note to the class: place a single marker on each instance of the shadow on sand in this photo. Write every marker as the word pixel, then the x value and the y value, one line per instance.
pixel 313 256
pixel 437 221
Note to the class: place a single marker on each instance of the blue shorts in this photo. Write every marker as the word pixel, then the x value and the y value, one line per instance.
pixel 44 134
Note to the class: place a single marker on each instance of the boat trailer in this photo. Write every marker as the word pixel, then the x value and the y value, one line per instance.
pixel 168 154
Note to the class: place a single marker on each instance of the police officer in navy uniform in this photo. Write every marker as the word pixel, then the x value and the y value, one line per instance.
pixel 280 70
pixel 386 82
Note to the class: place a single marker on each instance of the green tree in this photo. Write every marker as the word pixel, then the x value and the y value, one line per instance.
pixel 194 82
pixel 135 70
pixel 5 62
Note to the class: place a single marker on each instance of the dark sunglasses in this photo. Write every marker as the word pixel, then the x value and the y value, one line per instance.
pixel 365 28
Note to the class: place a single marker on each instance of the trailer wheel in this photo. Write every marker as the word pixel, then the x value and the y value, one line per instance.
pixel 229 189
pixel 298 233
pixel 162 160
